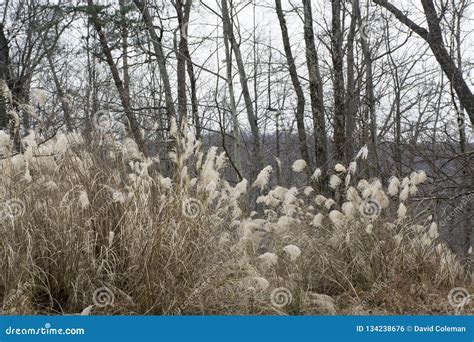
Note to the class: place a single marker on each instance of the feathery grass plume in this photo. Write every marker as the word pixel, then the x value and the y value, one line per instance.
pixel 293 251
pixel 393 186
pixel 299 165
pixel 320 200
pixel 220 161
pixel 18 162
pixel 131 150
pixel 111 238
pixel 433 231
pixel 363 184
pixel 369 229
pixel 337 218
pixel 339 168
pixel 405 193
pixel 166 183
pixel 347 181
pixel 352 167
pixel 278 162
pixel 268 260
pixel 363 152
pixel 209 175
pixel 260 283
pixel 317 220
pixel 263 177
pixel 27 175
pixel 329 203
pixel 316 174
pixel 420 178
pixel 348 208
pixel 240 189
pixel 352 195
pixel 405 182
pixel 84 200
pixel 402 211
pixel 334 181
pixel 4 139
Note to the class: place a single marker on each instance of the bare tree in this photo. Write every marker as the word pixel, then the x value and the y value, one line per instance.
pixel 434 37
pixel 159 54
pixel 133 126
pixel 297 86
pixel 4 77
pixel 316 91
pixel 337 40
pixel 251 115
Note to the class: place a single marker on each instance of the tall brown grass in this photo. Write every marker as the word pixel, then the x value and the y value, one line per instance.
pixel 102 216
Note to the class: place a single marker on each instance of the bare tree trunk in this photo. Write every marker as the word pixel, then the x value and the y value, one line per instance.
pixel 124 36
pixel 278 148
pixel 192 83
pixel 398 127
pixel 251 115
pixel 160 56
pixel 297 86
pixel 232 105
pixel 316 92
pixel 183 19
pixel 337 61
pixel 125 99
pixel 460 109
pixel 352 98
pixel 185 62
pixel 62 95
pixel 4 78
pixel 370 117
pixel 467 173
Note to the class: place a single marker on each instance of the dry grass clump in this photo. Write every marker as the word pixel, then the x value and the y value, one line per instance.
pixel 89 219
